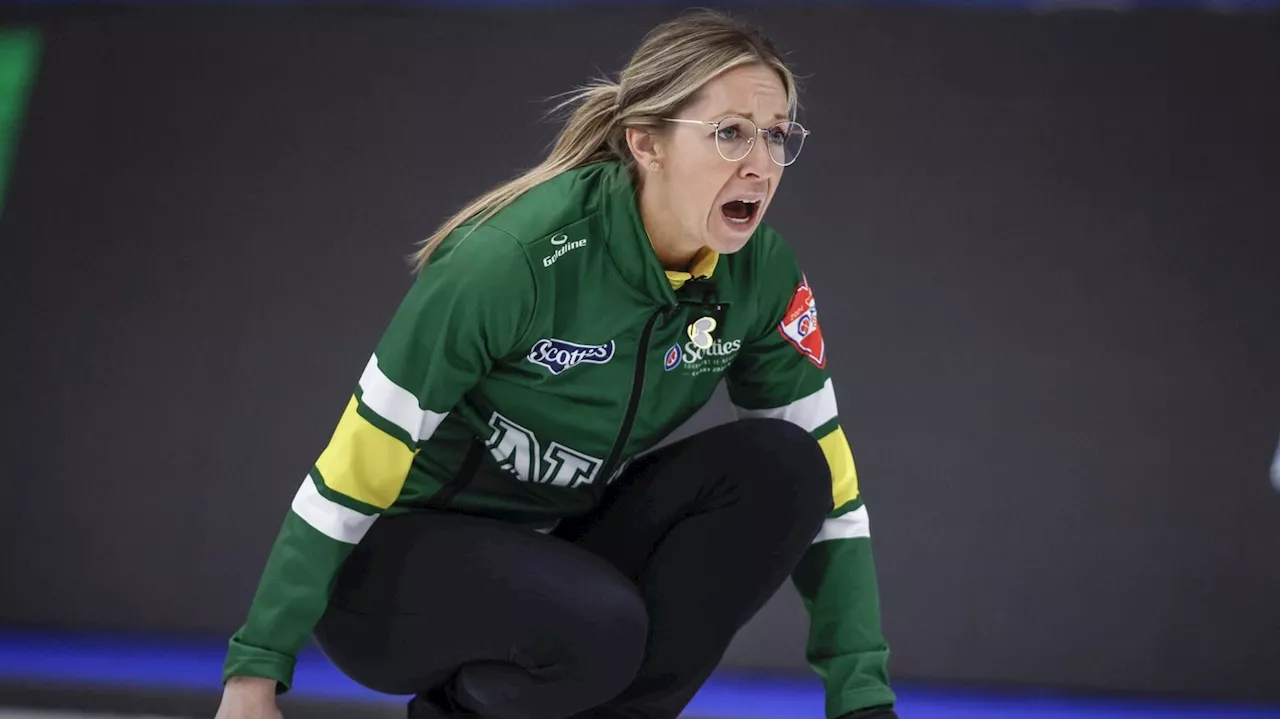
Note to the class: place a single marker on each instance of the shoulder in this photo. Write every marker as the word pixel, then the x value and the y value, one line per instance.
pixel 498 256
pixel 554 206
pixel 471 252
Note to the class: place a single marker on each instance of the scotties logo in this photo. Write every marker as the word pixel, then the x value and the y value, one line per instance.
pixel 725 351
pixel 672 360
pixel 559 355
pixel 696 361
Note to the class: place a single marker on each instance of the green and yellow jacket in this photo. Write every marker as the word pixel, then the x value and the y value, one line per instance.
pixel 528 364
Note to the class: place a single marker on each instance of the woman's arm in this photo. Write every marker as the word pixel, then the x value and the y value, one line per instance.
pixel 781 372
pixel 471 304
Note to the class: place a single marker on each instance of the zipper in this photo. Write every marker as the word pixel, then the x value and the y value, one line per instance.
pixel 637 389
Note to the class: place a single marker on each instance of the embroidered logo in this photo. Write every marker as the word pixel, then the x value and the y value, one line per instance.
pixel 559 355
pixel 518 450
pixel 720 353
pixel 672 360
pixel 700 332
pixel 799 325
pixel 563 247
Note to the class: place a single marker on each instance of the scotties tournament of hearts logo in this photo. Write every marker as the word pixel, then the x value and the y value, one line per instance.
pixel 799 325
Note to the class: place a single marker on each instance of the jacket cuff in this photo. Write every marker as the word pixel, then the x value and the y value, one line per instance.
pixel 882 712
pixel 247 661
pixel 848 704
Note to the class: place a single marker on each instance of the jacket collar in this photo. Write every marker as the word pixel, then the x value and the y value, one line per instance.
pixel 629 246
pixel 702 267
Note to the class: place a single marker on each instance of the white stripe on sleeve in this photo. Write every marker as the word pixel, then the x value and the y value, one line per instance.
pixel 809 412
pixel 328 517
pixel 396 404
pixel 848 526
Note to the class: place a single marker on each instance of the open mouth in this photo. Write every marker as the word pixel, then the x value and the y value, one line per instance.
pixel 740 212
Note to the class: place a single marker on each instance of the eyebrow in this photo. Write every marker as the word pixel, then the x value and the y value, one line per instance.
pixel 749 116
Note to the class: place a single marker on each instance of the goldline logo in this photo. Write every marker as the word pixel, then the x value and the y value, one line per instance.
pixel 563 247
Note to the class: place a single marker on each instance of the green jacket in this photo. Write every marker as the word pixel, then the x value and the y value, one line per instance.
pixel 528 364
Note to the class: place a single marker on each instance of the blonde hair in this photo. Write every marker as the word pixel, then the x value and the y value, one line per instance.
pixel 665 73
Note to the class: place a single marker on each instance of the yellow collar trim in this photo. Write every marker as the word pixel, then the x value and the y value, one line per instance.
pixel 703 265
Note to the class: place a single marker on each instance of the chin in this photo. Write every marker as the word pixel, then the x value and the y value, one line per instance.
pixel 728 237
pixel 727 241
pixel 728 245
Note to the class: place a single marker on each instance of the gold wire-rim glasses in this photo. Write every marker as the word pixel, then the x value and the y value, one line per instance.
pixel 750 144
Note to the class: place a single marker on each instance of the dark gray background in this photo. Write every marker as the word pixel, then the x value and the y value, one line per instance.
pixel 1045 248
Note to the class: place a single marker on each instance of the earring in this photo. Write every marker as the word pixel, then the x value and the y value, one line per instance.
pixel 655 166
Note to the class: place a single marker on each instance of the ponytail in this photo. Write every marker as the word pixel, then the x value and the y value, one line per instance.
pixel 586 138
pixel 675 60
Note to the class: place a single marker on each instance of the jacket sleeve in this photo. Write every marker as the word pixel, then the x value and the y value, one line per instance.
pixel 470 305
pixel 782 372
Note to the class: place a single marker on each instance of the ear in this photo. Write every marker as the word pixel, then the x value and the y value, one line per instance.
pixel 646 146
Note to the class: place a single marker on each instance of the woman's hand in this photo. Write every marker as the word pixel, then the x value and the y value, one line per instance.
pixel 249 698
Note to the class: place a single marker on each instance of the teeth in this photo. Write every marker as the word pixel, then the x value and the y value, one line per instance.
pixel 746 220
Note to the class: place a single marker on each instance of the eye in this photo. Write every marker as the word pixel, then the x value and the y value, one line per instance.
pixel 727 132
pixel 779 134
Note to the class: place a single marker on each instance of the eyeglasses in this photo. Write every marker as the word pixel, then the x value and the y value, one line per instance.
pixel 735 136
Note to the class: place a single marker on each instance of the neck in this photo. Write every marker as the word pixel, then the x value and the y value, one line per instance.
pixel 674 248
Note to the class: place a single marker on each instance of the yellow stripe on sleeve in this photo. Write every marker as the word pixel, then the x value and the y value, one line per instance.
pixel 844 475
pixel 363 462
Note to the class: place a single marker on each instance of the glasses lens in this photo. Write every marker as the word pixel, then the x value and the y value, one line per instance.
pixel 734 137
pixel 785 141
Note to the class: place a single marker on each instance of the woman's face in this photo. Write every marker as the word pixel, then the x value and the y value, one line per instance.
pixel 715 202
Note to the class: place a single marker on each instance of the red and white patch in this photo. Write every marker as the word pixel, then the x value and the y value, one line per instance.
pixel 800 327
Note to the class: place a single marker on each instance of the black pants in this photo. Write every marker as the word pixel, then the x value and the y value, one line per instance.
pixel 624 613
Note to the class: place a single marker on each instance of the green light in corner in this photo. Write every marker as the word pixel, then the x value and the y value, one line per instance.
pixel 19 55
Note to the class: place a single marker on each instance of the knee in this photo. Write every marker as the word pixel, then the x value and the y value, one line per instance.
pixel 614 632
pixel 787 463
pixel 603 629
pixel 584 656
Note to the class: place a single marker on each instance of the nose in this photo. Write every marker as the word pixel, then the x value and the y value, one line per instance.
pixel 757 163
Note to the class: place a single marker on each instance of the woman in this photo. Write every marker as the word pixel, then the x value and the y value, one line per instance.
pixel 481 530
